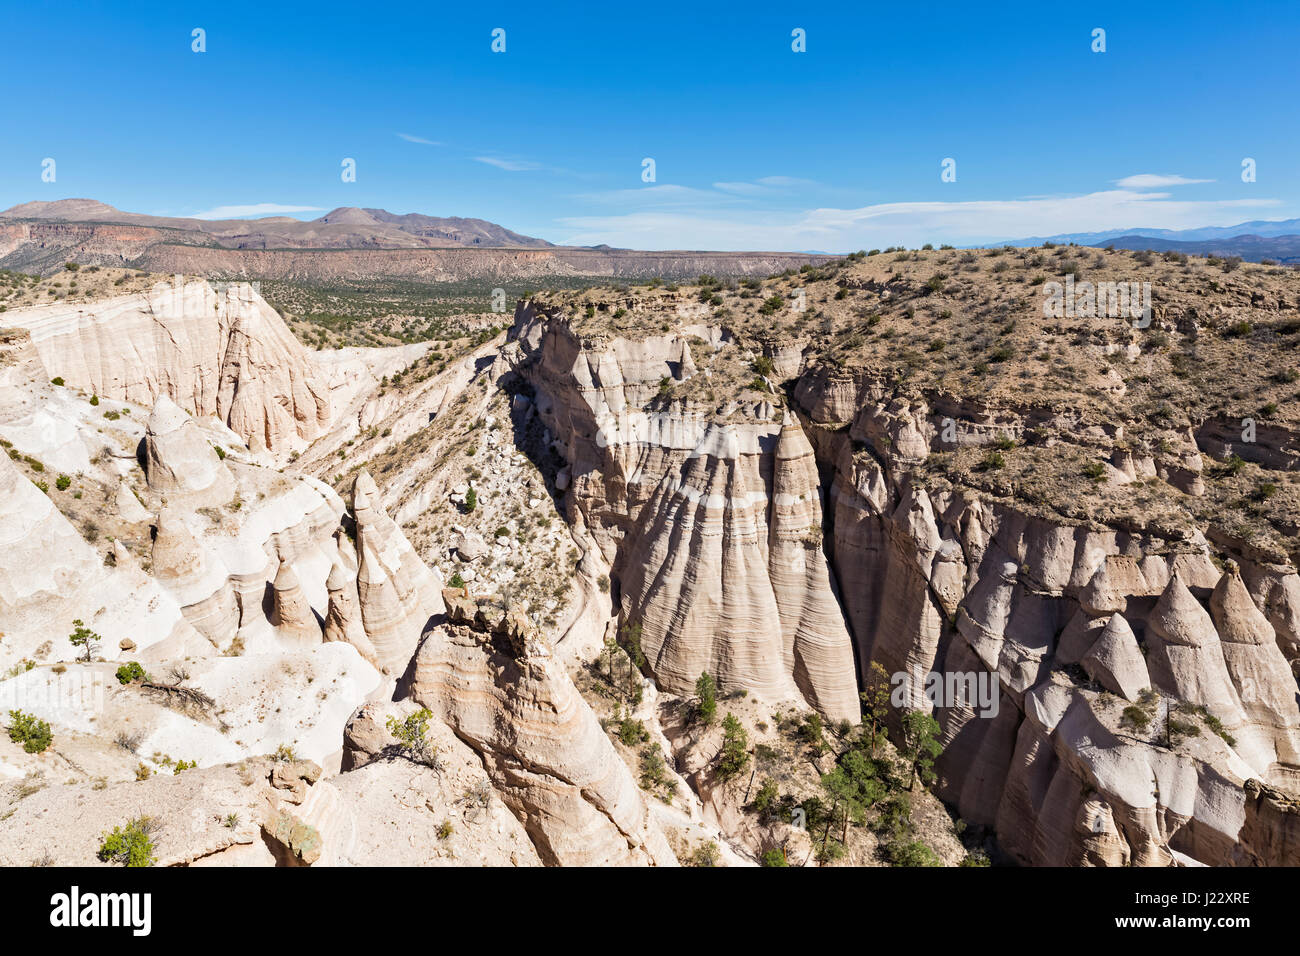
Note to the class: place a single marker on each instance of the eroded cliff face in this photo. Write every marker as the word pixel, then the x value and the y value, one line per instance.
pixel 213 351
pixel 712 526
pixel 1140 659
pixel 270 615
pixel 1074 620
pixel 490 675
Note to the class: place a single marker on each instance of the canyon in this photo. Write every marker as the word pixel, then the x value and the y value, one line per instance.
pixel 399 608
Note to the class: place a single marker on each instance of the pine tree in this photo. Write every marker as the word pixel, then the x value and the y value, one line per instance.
pixel 707 692
pixel 920 745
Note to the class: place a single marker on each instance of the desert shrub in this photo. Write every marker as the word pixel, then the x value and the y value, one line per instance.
pixel 30 731
pixel 706 854
pixel 412 737
pixel 911 853
pixel 632 731
pixel 130 845
pixel 131 672
pixel 1135 717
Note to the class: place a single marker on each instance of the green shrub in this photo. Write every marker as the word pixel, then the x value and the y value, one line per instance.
pixel 63 482
pixel 30 731
pixel 632 732
pixel 913 853
pixel 57 380
pixel 131 672
pixel 130 845
pixel 706 854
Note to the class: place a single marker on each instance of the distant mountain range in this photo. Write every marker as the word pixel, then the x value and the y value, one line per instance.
pixel 344 228
pixel 348 245
pixel 1277 239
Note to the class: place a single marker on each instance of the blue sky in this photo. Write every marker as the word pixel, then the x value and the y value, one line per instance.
pixel 755 146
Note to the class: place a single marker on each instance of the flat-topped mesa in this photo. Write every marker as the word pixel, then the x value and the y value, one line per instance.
pixel 178 460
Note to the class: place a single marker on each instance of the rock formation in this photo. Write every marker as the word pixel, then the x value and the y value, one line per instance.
pixel 491 677
pixel 178 461
pixel 223 353
pixel 398 594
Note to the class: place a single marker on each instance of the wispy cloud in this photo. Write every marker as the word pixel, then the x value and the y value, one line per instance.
pixel 252 210
pixel 510 165
pixel 418 139
pixel 764 185
pixel 908 223
pixel 1156 181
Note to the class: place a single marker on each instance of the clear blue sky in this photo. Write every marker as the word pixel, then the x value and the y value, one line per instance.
pixel 755 146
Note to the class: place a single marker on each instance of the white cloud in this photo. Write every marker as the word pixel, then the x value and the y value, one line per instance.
pixel 510 165
pixel 764 185
pixel 417 139
pixel 1155 181
pixel 785 181
pixel 909 223
pixel 252 211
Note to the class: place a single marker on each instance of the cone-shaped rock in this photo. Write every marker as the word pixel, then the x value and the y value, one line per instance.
pixel 179 460
pixel 293 614
pixel 343 619
pixel 1116 662
pixel 1186 658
